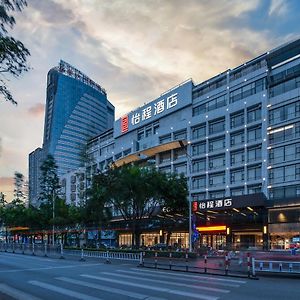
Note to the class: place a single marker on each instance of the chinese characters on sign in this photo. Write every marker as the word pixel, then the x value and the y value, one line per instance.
pixel 211 204
pixel 158 107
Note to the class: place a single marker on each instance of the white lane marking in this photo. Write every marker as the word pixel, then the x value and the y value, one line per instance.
pixel 49 268
pixel 192 276
pixel 62 291
pixel 154 288
pixel 161 275
pixel 109 289
pixel 16 294
pixel 204 288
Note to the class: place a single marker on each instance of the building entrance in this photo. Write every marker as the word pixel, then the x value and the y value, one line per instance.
pixel 215 241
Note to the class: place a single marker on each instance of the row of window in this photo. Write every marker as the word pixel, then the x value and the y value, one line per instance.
pixel 210 105
pixel 209 87
pixel 290 191
pixel 285 133
pixel 238 119
pixel 247 90
pixel 236 176
pixel 284 113
pixel 147 131
pixel 284 174
pixel 285 87
pixel 285 153
pixel 251 189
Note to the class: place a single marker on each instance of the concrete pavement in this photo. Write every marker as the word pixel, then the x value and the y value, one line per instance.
pixel 28 277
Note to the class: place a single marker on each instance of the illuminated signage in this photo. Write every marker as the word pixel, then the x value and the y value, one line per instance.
pixel 154 109
pixel 211 228
pixel 210 204
pixel 124 124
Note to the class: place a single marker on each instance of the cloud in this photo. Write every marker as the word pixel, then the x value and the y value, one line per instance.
pixel 278 8
pixel 37 110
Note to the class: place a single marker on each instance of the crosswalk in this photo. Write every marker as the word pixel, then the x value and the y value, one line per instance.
pixel 131 283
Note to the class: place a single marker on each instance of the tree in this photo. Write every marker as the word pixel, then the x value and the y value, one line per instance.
pixel 19 187
pixel 138 193
pixel 49 181
pixel 13 54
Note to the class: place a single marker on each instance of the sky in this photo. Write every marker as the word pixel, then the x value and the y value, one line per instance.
pixel 135 49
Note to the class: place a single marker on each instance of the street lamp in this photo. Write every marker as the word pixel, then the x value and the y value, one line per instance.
pixel 53 215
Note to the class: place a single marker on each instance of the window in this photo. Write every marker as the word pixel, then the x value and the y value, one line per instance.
pixel 210 105
pixel 148 131
pixel 216 179
pixel 216 126
pixel 237 138
pixel 253 189
pixel 165 169
pixel 217 144
pixel 237 191
pixel 127 151
pixel 180 135
pixel 217 194
pixel 237 175
pixel 247 90
pixel 199 165
pixel 165 138
pixel 199 148
pixel 237 157
pixel 254 153
pixel 199 182
pixel 180 169
pixel 165 157
pixel 118 155
pixel 216 161
pixel 253 114
pixel 285 174
pixel 140 134
pixel 179 153
pixel 254 172
pixel 200 109
pixel 198 196
pixel 237 119
pixel 254 133
pixel 199 131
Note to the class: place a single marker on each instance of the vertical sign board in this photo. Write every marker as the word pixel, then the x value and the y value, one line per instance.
pixel 167 103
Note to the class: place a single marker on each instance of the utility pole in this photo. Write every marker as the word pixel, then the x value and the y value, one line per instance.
pixel 53 215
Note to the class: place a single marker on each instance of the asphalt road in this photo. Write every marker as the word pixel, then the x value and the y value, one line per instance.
pixel 27 277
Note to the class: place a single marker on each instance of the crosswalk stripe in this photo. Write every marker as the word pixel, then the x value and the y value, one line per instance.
pixel 16 294
pixel 191 276
pixel 62 291
pixel 109 289
pixel 210 289
pixel 154 288
pixel 161 275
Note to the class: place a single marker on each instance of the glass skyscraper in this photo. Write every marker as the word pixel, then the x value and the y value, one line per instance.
pixel 77 109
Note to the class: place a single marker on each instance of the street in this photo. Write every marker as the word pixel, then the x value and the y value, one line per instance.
pixel 27 277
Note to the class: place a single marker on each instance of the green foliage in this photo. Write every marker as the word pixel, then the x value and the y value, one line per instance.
pixel 49 181
pixel 13 54
pixel 19 185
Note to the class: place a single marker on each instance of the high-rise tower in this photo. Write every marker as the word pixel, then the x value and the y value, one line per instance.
pixel 76 110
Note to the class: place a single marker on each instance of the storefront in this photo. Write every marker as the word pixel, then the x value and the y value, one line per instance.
pixel 232 223
pixel 284 224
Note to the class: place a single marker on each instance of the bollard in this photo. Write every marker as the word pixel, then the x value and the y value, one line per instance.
pixel 280 267
pixel 186 261
pixel 205 263
pixel 81 257
pixel 45 250
pixel 61 251
pixel 23 248
pixel 270 266
pixel 290 267
pixel 253 267
pixel 155 260
pixel 33 249
pixel 13 247
pixel 170 260
pixel 107 261
pixel 226 264
pixel 248 264
pixel 141 259
pixel 261 266
pixel 5 247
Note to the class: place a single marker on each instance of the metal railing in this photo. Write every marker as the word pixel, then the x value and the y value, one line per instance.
pixel 58 251
pixel 269 266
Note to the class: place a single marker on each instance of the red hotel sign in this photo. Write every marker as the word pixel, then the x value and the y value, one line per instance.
pixel 124 124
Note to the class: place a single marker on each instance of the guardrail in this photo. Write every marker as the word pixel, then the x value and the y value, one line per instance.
pixel 269 266
pixel 58 250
